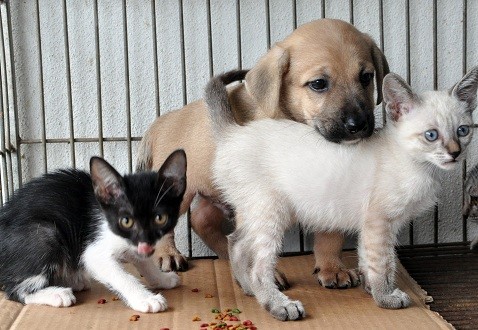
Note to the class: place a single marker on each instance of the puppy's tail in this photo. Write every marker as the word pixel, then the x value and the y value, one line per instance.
pixel 217 100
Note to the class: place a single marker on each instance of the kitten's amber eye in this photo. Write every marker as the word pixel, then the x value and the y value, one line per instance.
pixel 126 222
pixel 431 135
pixel 463 130
pixel 161 219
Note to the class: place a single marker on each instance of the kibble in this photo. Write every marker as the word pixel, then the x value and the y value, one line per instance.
pixel 115 299
pixel 208 295
pixel 102 301
pixel 195 290
pixel 134 317
pixel 196 318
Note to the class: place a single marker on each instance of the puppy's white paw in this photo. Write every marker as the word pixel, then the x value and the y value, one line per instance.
pixel 169 280
pixel 150 304
pixel 52 296
pixel 288 310
pixel 397 299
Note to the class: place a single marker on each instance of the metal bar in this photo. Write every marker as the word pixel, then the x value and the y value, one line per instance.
pixel 239 36
pixel 3 164
pixel 435 86
pixel 42 91
pixel 67 140
pixel 7 181
pixel 382 47
pixel 15 99
pixel 464 70
pixel 68 85
pixel 127 87
pixel 209 38
pixel 294 14
pixel 155 57
pixel 351 11
pixel 268 24
pixel 99 102
pixel 322 7
pixel 407 44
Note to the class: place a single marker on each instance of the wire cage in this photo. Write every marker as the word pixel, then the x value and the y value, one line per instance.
pixel 84 78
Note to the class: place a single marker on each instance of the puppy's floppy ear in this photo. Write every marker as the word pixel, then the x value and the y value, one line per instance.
pixel 381 67
pixel 264 81
pixel 398 96
pixel 465 89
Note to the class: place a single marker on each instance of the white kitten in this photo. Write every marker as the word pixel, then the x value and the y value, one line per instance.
pixel 275 171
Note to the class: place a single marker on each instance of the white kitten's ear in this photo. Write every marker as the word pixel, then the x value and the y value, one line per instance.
pixel 174 169
pixel 107 182
pixel 398 96
pixel 465 89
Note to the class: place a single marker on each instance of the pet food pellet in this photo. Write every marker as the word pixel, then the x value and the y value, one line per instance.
pixel 196 318
pixel 247 322
pixel 215 310
pixel 252 328
pixel 233 318
pixel 195 290
pixel 204 325
pixel 236 311
pixel 115 299
pixel 134 317
pixel 208 295
pixel 164 329
pixel 102 301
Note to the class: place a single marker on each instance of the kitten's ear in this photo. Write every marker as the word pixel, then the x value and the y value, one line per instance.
pixel 174 169
pixel 465 89
pixel 398 96
pixel 107 182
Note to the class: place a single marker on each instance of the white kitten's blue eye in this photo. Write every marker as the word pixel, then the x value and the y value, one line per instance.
pixel 161 219
pixel 431 135
pixel 463 130
pixel 126 222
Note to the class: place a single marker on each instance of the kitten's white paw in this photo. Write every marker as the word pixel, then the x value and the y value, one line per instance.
pixel 52 296
pixel 151 304
pixel 397 299
pixel 169 280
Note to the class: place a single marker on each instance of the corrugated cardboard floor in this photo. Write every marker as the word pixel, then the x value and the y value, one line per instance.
pixel 326 309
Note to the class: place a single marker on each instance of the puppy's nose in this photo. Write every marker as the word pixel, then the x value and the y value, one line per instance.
pixel 355 123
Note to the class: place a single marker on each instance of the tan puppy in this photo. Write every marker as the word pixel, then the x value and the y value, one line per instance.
pixel 322 75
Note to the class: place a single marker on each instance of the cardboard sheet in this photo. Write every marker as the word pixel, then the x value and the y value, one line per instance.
pixel 325 308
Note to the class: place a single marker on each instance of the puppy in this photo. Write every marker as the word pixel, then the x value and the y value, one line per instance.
pixel 278 172
pixel 321 75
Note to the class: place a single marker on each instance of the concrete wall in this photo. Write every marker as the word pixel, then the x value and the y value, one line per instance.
pixel 42 79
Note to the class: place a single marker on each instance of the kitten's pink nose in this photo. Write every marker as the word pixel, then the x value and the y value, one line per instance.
pixel 145 249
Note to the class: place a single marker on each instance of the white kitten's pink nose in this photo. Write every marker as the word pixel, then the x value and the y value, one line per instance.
pixel 145 249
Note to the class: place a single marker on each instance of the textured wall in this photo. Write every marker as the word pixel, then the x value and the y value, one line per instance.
pixel 222 49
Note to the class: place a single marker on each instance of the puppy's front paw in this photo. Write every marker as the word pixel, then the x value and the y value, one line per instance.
pixel 287 311
pixel 337 277
pixel 395 300
pixel 172 262
pixel 168 281
pixel 150 304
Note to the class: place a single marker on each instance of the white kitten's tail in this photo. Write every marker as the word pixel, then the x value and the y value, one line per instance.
pixel 217 100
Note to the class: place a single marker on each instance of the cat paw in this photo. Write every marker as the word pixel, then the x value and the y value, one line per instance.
pixel 173 262
pixel 397 299
pixel 168 281
pixel 281 280
pixel 151 304
pixel 52 296
pixel 287 311
pixel 337 277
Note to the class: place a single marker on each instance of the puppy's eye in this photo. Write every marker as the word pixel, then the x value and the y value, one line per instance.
pixel 366 78
pixel 319 85
pixel 463 130
pixel 431 135
pixel 126 222
pixel 161 220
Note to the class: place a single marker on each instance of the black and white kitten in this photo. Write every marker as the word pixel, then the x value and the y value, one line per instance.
pixel 65 227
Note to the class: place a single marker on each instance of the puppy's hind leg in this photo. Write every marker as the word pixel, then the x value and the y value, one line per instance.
pixel 331 272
